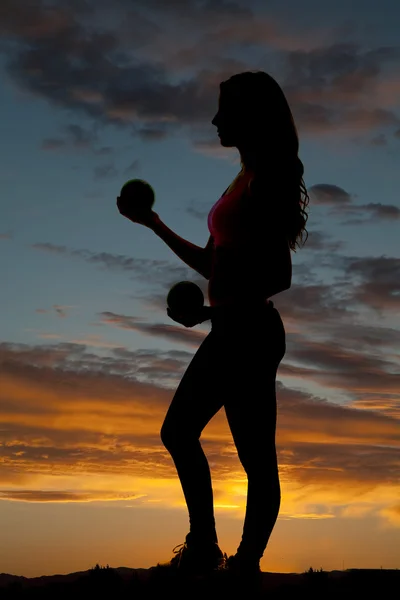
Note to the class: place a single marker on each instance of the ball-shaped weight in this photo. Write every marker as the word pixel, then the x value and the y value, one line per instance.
pixel 185 297
pixel 138 194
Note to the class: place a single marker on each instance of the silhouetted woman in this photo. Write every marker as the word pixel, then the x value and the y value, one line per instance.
pixel 253 228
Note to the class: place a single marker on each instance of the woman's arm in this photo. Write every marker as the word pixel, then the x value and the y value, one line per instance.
pixel 206 313
pixel 194 256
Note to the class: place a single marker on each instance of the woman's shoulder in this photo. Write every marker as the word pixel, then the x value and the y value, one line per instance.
pixel 236 183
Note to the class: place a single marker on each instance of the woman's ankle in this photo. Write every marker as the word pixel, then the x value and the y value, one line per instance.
pixel 247 556
pixel 200 539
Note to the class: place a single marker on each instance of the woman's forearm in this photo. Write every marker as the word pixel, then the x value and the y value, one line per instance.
pixel 209 312
pixel 194 256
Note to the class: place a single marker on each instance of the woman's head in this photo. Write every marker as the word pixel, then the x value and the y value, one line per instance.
pixel 254 116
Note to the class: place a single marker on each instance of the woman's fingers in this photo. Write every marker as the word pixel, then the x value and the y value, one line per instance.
pixel 186 320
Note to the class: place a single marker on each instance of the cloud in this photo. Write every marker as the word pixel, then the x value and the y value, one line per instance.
pixel 105 259
pixel 107 171
pixel 135 72
pixel 77 138
pixel 81 138
pixel 356 465
pixel 392 514
pixel 88 413
pixel 72 420
pixel 53 144
pixel 49 336
pixel 379 277
pixel 147 134
pixel 133 167
pixel 327 194
pixel 172 332
pixel 46 247
pixel 49 496
pixel 160 272
pixel 341 203
pixel 34 21
pixel 381 211
pixel 370 282
pixel 61 311
pixel 322 241
pixel 341 86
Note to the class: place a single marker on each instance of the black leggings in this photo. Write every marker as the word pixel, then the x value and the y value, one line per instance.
pixel 234 367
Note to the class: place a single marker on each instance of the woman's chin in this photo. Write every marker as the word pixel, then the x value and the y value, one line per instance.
pixel 225 141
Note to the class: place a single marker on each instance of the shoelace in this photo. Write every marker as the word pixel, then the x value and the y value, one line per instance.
pixel 181 548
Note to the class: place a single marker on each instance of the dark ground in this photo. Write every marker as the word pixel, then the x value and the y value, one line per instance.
pixel 137 584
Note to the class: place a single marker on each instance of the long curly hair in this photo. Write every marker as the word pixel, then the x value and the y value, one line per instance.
pixel 271 137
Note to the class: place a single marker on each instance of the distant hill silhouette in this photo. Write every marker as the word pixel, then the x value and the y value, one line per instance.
pixel 137 584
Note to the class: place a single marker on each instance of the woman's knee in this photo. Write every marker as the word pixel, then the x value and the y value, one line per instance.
pixel 168 435
pixel 260 465
pixel 174 435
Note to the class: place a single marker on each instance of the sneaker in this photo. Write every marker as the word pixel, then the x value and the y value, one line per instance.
pixel 242 566
pixel 195 559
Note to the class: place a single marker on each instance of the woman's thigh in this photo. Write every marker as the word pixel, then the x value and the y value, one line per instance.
pixel 235 367
pixel 198 396
pixel 252 358
pixel 251 413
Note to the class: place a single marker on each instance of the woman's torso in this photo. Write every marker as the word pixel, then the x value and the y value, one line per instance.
pixel 233 228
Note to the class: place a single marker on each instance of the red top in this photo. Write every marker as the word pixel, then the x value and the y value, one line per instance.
pixel 230 228
pixel 225 221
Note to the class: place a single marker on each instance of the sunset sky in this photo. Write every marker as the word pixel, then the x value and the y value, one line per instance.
pixel 93 93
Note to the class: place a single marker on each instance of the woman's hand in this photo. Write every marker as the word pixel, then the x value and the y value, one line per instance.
pixel 190 319
pixel 127 209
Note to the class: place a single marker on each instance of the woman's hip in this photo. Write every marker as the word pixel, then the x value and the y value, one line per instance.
pixel 255 330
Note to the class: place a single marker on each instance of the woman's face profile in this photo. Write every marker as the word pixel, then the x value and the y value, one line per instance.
pixel 230 121
pixel 226 121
